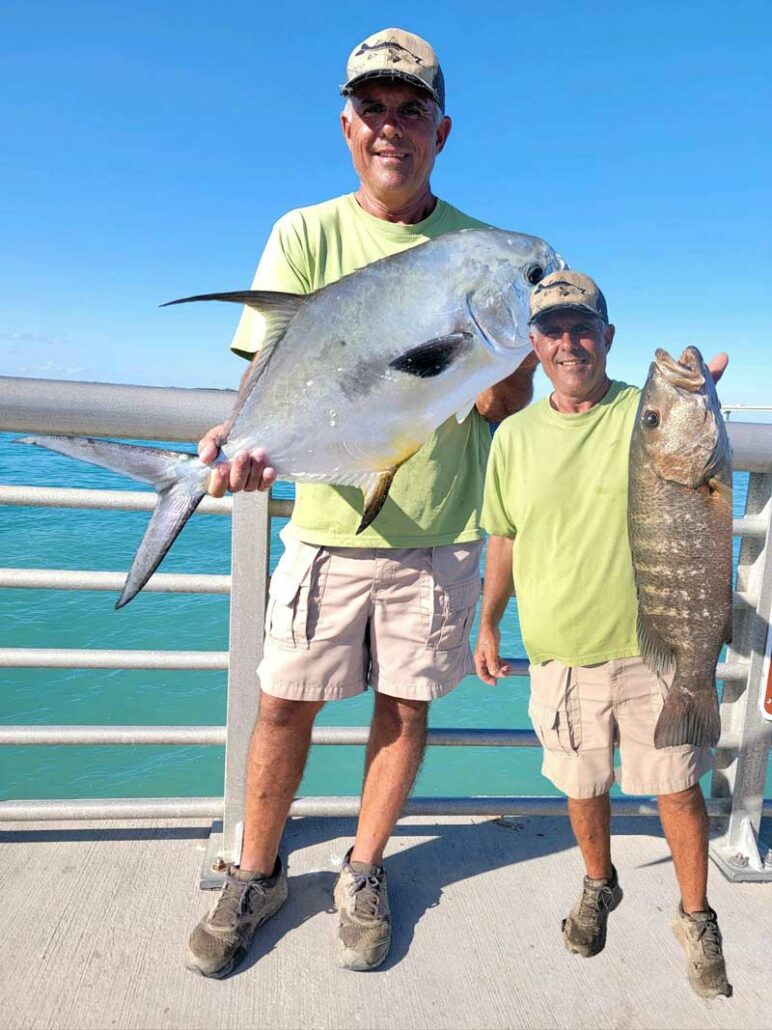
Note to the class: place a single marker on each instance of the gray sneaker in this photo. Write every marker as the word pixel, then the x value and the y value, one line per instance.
pixel 700 938
pixel 584 931
pixel 363 935
pixel 221 940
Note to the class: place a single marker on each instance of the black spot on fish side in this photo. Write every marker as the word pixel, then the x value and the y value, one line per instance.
pixel 433 357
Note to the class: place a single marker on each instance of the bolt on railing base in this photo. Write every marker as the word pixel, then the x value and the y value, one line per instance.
pixel 215 861
pixel 746 861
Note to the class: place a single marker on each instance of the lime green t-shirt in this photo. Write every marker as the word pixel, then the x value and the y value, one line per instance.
pixel 436 495
pixel 557 485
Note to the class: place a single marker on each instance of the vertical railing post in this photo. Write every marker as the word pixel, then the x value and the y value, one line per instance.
pixel 250 554
pixel 741 773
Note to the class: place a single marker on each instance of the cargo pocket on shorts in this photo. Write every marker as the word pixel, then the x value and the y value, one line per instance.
pixel 452 613
pixel 288 593
pixel 556 715
pixel 450 590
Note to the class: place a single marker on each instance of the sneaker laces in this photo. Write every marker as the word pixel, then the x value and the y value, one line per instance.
pixel 365 889
pixel 594 901
pixel 709 937
pixel 234 900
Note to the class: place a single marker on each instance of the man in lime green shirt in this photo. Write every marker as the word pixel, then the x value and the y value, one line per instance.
pixel 556 508
pixel 391 607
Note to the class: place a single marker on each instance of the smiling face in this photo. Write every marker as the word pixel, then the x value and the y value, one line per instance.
pixel 394 132
pixel 572 347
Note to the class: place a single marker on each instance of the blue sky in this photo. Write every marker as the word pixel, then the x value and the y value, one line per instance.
pixel 148 148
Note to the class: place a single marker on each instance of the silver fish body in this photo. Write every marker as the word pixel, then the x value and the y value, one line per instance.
pixel 352 380
pixel 680 528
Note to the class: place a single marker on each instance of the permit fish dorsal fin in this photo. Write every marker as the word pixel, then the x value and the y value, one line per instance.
pixel 268 302
pixel 278 310
pixel 654 651
pixel 464 410
pixel 433 357
pixel 375 496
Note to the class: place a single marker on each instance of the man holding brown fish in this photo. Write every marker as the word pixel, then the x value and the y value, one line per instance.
pixel 556 506
pixel 389 605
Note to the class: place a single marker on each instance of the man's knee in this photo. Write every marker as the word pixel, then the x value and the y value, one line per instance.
pixel 280 713
pixel 689 799
pixel 401 716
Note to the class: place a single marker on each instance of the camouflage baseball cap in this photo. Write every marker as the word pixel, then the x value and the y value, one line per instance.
pixel 395 54
pixel 567 290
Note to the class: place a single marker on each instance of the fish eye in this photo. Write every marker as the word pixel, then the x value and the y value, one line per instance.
pixel 533 274
pixel 651 419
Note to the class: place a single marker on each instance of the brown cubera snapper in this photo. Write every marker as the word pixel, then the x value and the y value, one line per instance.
pixel 680 526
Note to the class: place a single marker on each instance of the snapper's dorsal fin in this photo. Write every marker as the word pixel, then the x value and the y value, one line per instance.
pixel 278 310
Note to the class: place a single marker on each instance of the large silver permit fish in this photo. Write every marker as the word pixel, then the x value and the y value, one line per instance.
pixel 353 379
pixel 680 526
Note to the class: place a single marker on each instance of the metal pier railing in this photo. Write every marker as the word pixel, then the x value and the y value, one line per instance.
pixel 183 415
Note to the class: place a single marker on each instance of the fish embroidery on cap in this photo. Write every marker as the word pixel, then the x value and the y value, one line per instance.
pixel 393 47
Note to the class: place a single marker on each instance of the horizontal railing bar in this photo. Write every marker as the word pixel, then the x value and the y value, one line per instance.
pixel 750 525
pixel 494 806
pixel 144 500
pixel 88 736
pixel 84 809
pixel 212 808
pixel 110 409
pixel 436 736
pixel 117 500
pixel 87 579
pixel 166 582
pixel 344 736
pixel 93 658
pixel 173 413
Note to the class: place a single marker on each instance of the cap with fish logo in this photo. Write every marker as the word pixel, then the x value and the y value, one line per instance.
pixel 395 54
pixel 567 290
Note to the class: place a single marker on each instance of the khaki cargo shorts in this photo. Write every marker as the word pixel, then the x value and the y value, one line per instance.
pixel 341 618
pixel 579 714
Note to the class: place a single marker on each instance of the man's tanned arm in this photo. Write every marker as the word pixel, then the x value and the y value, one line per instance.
pixel 510 395
pixel 497 590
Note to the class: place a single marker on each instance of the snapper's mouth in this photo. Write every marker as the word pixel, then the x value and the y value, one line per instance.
pixel 688 373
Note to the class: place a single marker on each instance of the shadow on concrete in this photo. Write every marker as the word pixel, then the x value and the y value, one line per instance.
pixel 96 833
pixel 418 875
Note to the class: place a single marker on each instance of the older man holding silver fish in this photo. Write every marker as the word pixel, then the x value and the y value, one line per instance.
pixel 556 506
pixel 389 605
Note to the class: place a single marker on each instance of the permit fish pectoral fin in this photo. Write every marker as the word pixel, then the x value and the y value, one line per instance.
pixel 654 651
pixel 464 410
pixel 375 496
pixel 433 357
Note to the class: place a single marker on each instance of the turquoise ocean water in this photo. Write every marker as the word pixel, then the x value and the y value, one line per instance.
pixel 72 539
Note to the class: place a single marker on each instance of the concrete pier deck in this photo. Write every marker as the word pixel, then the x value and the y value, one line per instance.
pixel 96 919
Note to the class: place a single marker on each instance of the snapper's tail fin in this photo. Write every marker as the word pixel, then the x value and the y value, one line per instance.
pixel 178 477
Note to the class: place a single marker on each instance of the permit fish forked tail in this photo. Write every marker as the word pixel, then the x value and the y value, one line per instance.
pixel 178 477
pixel 689 718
